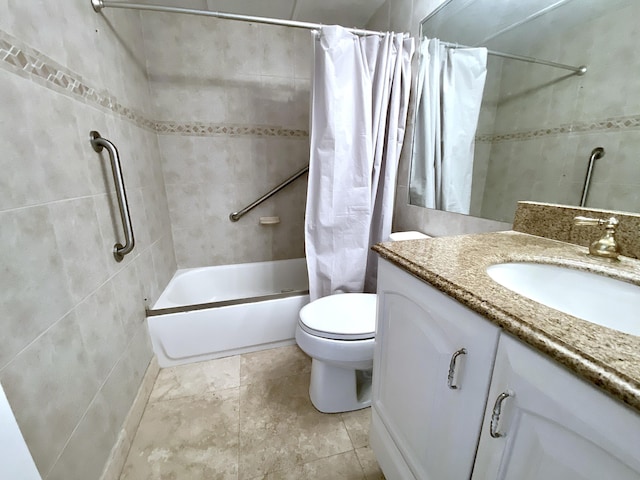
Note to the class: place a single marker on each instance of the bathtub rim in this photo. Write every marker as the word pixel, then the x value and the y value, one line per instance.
pixel 149 312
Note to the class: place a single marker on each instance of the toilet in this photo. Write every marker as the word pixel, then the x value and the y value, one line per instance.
pixel 338 333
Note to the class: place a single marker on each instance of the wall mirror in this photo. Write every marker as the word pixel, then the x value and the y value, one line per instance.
pixel 538 124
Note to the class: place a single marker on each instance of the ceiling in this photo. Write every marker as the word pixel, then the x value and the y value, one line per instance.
pixel 348 13
pixel 512 25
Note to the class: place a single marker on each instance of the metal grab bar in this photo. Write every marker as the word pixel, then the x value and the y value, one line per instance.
pixel 98 143
pixel 235 216
pixel 596 154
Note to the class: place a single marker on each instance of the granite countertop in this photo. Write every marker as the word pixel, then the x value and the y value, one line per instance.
pixel 457 266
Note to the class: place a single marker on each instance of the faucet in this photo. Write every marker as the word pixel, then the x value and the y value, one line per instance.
pixel 606 246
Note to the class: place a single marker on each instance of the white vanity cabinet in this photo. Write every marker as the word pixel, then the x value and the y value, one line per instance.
pixel 432 368
pixel 515 413
pixel 541 422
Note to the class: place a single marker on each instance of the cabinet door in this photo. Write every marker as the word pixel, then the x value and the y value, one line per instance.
pixel 552 426
pixel 434 425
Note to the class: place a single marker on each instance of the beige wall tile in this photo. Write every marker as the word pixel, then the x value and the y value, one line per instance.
pixel 87 452
pixel 33 293
pixel 99 319
pixel 259 76
pixel 78 237
pixel 60 222
pixel 50 385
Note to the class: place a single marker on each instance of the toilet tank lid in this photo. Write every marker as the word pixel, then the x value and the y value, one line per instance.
pixel 397 236
pixel 344 314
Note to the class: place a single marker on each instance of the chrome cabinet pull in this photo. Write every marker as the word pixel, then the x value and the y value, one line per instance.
pixel 452 367
pixel 497 411
pixel 98 143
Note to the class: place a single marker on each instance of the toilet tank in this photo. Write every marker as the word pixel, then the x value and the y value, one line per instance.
pixel 397 236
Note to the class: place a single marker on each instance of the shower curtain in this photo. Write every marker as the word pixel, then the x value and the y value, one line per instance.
pixel 360 96
pixel 448 97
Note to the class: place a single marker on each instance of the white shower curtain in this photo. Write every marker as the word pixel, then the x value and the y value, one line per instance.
pixel 449 90
pixel 360 95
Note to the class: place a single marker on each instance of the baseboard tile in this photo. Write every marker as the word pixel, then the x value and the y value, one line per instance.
pixel 120 450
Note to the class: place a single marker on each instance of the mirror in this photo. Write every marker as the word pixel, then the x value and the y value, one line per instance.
pixel 538 124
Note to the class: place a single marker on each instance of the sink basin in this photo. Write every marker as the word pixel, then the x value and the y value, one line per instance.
pixel 586 295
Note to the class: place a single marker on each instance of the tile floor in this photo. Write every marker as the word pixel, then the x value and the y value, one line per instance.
pixel 247 417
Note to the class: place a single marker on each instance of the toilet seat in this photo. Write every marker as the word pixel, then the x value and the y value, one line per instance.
pixel 344 316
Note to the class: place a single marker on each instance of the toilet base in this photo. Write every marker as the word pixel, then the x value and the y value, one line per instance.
pixel 335 389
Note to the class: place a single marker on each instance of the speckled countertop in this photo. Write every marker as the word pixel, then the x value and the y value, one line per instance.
pixel 457 266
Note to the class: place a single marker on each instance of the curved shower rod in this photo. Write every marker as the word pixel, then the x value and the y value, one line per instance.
pixel 98 5
pixel 581 70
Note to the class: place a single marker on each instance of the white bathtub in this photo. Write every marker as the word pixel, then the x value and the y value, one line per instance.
pixel 213 312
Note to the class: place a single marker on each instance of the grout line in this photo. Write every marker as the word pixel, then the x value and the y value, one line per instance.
pixel 92 402
pixel 124 425
pixel 364 473
pixel 64 315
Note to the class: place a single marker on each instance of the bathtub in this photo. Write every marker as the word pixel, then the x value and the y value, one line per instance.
pixel 212 312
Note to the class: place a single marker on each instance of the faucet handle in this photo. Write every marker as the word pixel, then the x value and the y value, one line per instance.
pixel 607 246
pixel 611 222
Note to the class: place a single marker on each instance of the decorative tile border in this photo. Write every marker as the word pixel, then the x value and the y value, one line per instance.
pixel 33 65
pixel 630 122
pixel 215 129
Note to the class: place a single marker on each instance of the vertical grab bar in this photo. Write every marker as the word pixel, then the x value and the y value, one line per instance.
pixel 98 143
pixel 596 154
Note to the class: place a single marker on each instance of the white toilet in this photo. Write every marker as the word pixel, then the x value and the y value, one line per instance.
pixel 338 333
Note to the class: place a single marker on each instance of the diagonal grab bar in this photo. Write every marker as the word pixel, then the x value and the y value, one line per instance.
pixel 596 154
pixel 98 143
pixel 235 216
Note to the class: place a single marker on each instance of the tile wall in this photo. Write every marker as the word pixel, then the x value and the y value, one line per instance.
pixel 548 123
pixel 74 345
pixel 486 122
pixel 231 101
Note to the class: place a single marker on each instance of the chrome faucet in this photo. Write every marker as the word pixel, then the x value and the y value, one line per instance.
pixel 606 246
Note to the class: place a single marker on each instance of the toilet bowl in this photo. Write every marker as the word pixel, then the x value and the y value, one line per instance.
pixel 338 333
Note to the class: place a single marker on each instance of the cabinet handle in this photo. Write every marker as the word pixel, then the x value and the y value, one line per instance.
pixel 452 367
pixel 497 411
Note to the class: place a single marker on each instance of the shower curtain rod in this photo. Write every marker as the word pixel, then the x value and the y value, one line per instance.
pixel 581 70
pixel 98 5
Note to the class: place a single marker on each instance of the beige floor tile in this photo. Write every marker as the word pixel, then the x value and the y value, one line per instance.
pixel 279 428
pixel 344 466
pixel 357 424
pixel 196 379
pixel 196 428
pixel 274 363
pixel 370 466
pixel 187 438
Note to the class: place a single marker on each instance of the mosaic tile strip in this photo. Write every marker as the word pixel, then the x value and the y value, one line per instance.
pixel 630 122
pixel 31 64
pixel 216 129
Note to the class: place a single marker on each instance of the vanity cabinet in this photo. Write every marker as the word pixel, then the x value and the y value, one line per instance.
pixel 501 411
pixel 541 422
pixel 432 368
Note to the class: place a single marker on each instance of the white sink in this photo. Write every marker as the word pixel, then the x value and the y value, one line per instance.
pixel 589 296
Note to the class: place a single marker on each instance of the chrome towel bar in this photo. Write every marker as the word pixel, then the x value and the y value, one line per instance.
pixel 235 216
pixel 98 143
